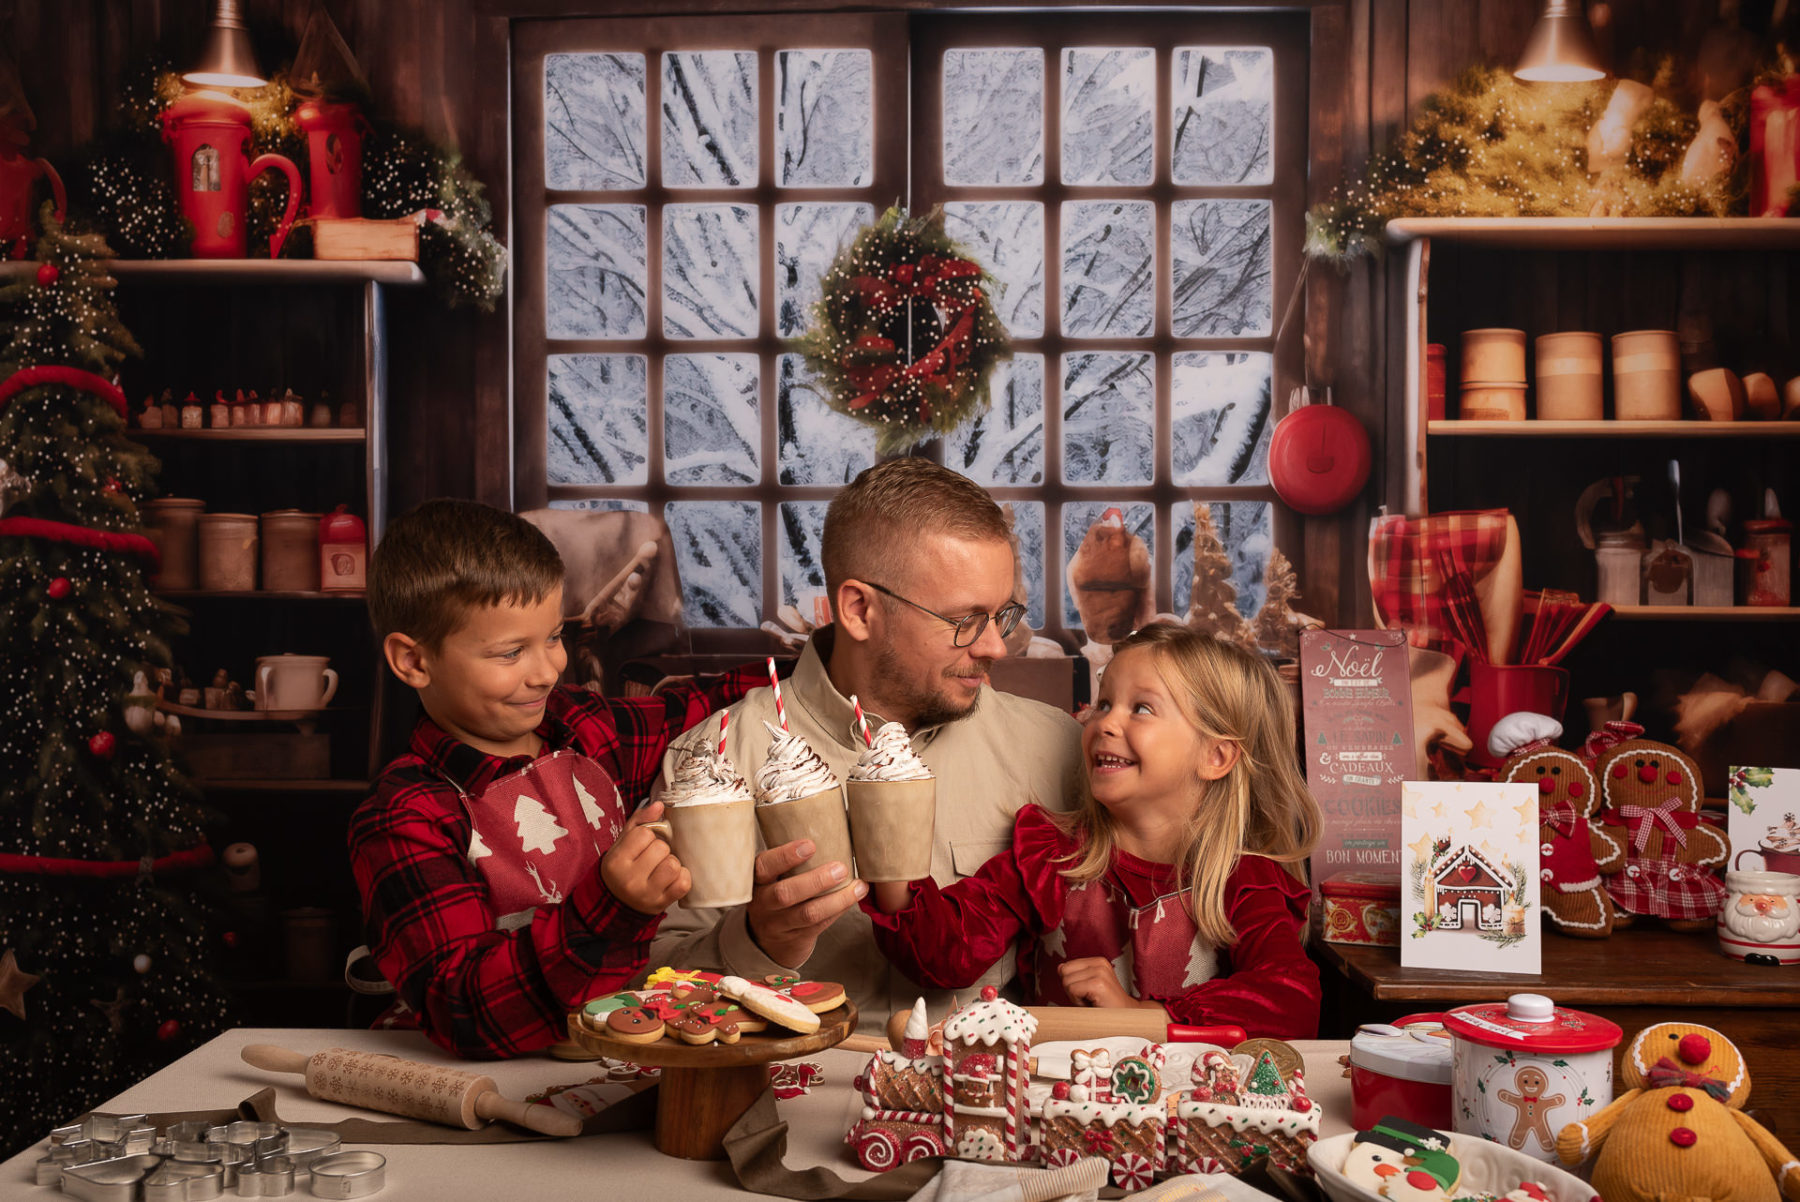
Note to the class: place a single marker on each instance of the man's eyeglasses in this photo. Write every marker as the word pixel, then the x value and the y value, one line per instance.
pixel 967 629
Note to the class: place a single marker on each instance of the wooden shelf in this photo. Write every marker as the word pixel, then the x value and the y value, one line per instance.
pixel 257 434
pixel 246 271
pixel 1612 429
pixel 1705 613
pixel 257 594
pixel 1602 233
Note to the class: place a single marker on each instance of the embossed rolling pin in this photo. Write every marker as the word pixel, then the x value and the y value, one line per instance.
pixel 1094 1022
pixel 420 1091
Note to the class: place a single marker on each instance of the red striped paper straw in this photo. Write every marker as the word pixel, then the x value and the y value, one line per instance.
pixel 862 723
pixel 775 683
pixel 724 721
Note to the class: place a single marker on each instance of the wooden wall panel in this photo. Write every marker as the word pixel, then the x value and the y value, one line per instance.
pixel 441 66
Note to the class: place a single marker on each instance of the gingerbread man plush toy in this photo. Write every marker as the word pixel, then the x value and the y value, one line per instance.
pixel 1573 853
pixel 1679 1130
pixel 1651 803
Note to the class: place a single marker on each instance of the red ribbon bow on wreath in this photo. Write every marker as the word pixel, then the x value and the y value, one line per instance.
pixel 908 280
pixel 1666 1073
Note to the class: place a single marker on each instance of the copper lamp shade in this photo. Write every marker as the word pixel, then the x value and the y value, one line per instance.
pixel 227 61
pixel 1561 48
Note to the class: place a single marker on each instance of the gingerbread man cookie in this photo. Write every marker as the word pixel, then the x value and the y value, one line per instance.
pixel 634 1024
pixel 1531 1108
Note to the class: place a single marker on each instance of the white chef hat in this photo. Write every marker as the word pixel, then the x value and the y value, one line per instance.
pixel 1516 731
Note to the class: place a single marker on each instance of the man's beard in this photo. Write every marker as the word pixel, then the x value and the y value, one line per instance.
pixel 928 707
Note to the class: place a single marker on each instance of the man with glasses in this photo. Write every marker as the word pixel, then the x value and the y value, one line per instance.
pixel 919 565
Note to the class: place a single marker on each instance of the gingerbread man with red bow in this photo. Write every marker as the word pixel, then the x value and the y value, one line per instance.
pixel 1651 796
pixel 1573 852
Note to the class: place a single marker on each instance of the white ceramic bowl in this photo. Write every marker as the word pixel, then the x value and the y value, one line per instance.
pixel 1487 1168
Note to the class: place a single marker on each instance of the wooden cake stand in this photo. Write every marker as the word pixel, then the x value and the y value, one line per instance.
pixel 705 1088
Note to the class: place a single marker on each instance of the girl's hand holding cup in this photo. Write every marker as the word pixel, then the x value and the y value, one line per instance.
pixel 641 870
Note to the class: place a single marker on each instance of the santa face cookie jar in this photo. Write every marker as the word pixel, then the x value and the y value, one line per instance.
pixel 1524 1068
pixel 1760 921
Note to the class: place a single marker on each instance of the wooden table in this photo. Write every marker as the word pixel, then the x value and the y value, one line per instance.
pixel 1636 978
pixel 621 1165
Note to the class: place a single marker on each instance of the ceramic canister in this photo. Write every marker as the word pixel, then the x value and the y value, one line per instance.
pixel 290 551
pixel 1525 1068
pixel 1568 377
pixel 1760 920
pixel 1493 357
pixel 1402 1069
pixel 1490 402
pixel 228 552
pixel 173 525
pixel 1646 376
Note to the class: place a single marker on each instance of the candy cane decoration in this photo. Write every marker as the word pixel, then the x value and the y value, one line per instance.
pixel 775 683
pixel 724 720
pixel 862 723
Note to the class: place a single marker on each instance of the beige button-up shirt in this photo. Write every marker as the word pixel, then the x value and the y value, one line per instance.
pixel 1010 751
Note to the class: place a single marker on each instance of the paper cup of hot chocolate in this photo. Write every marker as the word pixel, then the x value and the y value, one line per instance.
pixel 819 817
pixel 891 827
pixel 716 842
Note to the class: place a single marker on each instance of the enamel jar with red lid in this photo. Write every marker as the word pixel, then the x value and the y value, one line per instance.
pixel 1525 1068
pixel 1402 1069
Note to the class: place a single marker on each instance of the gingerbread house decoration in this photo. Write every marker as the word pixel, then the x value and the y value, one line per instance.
pixel 986 1066
pixel 1468 892
pixel 1121 1118
pixel 1237 1111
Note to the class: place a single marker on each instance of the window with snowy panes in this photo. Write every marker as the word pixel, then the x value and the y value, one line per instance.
pixel 1129 182
pixel 1135 183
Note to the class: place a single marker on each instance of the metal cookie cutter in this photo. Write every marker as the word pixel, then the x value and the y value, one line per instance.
pixel 307 1144
pixel 184 1141
pixel 348 1175
pixel 184 1181
pixel 108 1180
pixel 60 1156
pixel 268 1177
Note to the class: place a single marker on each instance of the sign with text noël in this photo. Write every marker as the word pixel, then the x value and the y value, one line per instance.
pixel 1356 692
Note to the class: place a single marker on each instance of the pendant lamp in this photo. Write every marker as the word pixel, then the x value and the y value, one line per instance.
pixel 227 61
pixel 1561 48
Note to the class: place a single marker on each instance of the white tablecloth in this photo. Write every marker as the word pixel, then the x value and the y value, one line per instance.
pixel 624 1165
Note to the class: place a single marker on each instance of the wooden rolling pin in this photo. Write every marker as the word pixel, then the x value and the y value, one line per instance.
pixel 421 1091
pixel 1099 1022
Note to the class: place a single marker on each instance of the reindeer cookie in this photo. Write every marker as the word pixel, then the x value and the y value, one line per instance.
pixel 1651 804
pixel 1573 852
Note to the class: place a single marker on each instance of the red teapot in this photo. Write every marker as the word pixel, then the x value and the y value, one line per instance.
pixel 18 186
pixel 209 132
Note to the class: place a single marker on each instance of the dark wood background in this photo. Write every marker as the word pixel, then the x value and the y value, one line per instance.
pixel 441 65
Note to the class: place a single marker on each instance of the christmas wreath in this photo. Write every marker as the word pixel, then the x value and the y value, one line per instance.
pixel 904 337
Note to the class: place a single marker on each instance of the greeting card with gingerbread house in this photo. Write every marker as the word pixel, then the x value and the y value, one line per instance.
pixel 1469 870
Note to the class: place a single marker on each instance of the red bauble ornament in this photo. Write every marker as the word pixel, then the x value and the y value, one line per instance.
pixel 112 485
pixel 1319 459
pixel 102 744
pixel 230 938
pixel 58 588
pixel 47 274
pixel 169 1030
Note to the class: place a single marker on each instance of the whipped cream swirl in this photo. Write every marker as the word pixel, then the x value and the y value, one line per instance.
pixel 890 757
pixel 704 778
pixel 793 769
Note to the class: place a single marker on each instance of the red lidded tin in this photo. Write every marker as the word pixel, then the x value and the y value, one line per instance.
pixel 1362 907
pixel 1401 1069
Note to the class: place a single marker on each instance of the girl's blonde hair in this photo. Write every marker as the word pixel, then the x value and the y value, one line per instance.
pixel 1261 807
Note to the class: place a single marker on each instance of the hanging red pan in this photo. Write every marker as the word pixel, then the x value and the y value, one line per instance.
pixel 1318 456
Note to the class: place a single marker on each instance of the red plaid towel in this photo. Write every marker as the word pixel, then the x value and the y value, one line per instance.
pixel 1408 586
pixel 1666 889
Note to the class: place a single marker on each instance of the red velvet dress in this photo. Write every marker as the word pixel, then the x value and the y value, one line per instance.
pixel 947 937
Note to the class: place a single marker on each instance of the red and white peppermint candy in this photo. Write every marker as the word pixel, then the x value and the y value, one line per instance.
pixel 1063 1156
pixel 1132 1171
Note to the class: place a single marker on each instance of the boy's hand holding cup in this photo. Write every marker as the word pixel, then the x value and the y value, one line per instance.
pixel 711 825
pixel 640 869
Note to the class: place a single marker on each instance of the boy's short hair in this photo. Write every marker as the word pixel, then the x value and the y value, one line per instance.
pixel 439 560
pixel 889 506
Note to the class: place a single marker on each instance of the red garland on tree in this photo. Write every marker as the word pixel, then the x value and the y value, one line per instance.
pixel 102 843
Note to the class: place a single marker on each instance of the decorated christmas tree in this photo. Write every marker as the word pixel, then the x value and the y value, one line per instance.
pixel 1213 607
pixel 103 953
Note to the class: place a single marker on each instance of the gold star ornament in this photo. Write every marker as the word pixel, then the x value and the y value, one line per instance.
pixel 14 981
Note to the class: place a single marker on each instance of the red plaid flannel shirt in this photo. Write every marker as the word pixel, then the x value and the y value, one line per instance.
pixel 478 991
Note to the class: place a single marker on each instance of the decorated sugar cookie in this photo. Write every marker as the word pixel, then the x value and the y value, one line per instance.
pixel 1135 1079
pixel 693 1027
pixel 634 1024
pixel 776 1007
pixel 817 996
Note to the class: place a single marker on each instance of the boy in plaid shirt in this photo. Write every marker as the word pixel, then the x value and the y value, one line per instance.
pixel 504 878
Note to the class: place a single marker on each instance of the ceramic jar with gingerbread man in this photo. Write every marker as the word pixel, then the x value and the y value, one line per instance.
pixel 1573 852
pixel 1650 800
pixel 1679 1130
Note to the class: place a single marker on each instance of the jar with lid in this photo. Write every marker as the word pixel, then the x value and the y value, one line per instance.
pixel 343 551
pixel 1528 1047
pixel 1771 573
pixel 1618 560
pixel 1402 1069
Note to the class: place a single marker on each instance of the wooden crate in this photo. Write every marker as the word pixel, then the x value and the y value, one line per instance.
pixel 365 238
pixel 257 755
